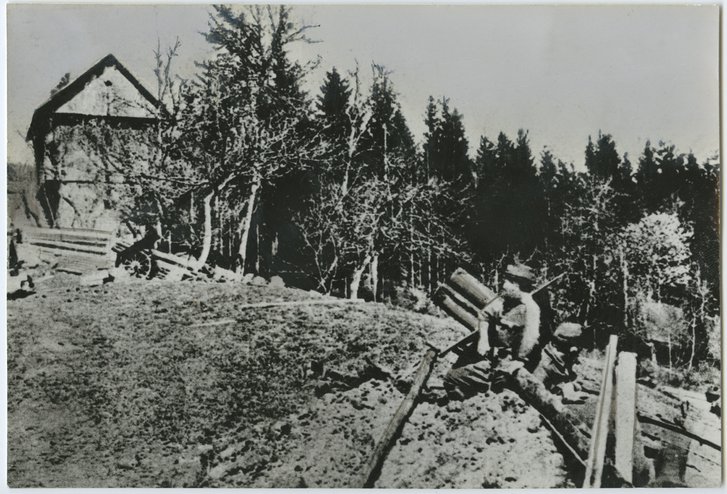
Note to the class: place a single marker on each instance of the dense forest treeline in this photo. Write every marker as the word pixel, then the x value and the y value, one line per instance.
pixel 331 191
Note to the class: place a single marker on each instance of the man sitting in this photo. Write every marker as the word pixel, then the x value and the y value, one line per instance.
pixel 509 327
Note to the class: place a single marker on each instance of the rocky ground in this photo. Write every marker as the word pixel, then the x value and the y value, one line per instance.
pixel 153 383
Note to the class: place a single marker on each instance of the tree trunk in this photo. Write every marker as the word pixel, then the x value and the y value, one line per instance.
pixel 412 281
pixel 257 246
pixel 245 225
pixel 625 287
pixel 191 207
pixel 694 344
pixel 207 237
pixel 216 240
pixel 356 278
pixel 374 270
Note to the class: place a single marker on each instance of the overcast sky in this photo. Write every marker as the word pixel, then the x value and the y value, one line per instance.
pixel 638 73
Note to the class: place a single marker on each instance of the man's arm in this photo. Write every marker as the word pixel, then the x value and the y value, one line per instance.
pixel 491 315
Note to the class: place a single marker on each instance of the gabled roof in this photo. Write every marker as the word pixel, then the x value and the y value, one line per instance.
pixel 39 124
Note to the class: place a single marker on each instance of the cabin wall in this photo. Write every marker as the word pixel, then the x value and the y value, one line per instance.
pixel 109 94
pixel 88 172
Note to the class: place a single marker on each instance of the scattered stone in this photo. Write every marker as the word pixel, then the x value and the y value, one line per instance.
pixel 126 464
pixel 227 453
pixel 175 273
pixel 218 471
pixel 277 282
pixel 258 281
pixel 19 287
pixel 221 274
pixel 282 428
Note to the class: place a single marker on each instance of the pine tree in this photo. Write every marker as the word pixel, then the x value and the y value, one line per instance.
pixel 333 103
pixel 486 161
pixel 389 143
pixel 509 205
pixel 602 159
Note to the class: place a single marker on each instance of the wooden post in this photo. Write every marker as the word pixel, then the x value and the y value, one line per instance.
pixel 373 466
pixel 625 415
pixel 599 434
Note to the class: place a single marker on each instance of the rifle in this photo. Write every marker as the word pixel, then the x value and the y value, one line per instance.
pixel 472 335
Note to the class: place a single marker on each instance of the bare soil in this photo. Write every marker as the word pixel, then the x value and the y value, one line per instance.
pixel 154 383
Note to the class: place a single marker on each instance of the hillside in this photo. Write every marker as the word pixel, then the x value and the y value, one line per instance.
pixel 164 384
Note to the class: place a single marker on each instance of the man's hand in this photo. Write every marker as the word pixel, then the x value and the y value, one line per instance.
pixel 510 366
pixel 483 344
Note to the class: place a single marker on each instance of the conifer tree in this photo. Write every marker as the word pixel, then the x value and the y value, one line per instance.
pixel 333 103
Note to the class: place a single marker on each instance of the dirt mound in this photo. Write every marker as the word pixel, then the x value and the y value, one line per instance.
pixel 154 383
pixel 128 384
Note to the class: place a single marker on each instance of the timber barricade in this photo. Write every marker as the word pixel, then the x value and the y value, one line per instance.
pixel 76 251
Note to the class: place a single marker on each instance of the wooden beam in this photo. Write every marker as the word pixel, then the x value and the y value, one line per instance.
pixel 265 305
pixel 372 468
pixel 599 434
pixel 625 415
pixel 647 419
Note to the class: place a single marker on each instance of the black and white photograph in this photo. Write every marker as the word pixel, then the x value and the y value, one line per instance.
pixel 362 246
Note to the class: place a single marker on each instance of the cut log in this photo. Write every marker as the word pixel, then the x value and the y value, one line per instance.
pixel 373 466
pixel 471 289
pixel 463 312
pixel 625 420
pixel 570 428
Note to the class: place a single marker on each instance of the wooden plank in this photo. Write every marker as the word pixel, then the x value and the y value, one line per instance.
pixel 79 232
pixel 68 247
pixel 373 466
pixel 70 239
pixel 220 322
pixel 599 434
pixel 625 415
pixel 265 305
pixel 172 259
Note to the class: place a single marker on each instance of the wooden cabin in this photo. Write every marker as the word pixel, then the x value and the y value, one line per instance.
pixel 85 139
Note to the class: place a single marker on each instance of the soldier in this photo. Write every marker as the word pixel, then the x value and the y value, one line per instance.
pixel 513 321
pixel 558 357
pixel 511 325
